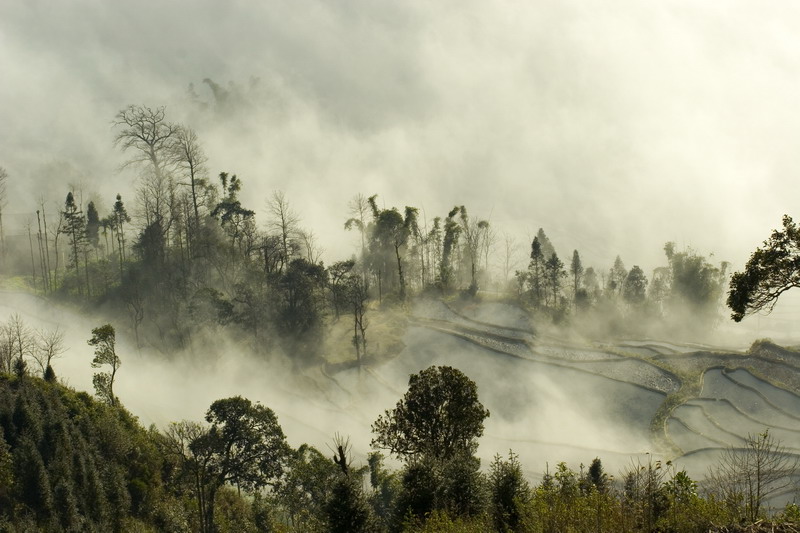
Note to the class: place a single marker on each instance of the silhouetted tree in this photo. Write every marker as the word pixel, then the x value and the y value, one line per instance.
pixel 616 277
pixel 188 156
pixel 105 353
pixel 547 247
pixel 75 229
pixel 244 446
pixel 554 270
pixel 635 288
pixel 438 417
pixel 286 223
pixel 452 232
pixel 536 270
pixel 146 134
pixel 576 269
pixel 772 269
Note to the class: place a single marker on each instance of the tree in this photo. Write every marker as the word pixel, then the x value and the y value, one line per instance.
pixel 452 232
pixel 92 225
pixel 104 341
pixel 21 342
pixel 347 510
pixel 338 277
pixel 510 492
pixel 695 284
pixel 554 268
pixel 300 291
pixel 75 229
pixel 772 269
pixel 390 233
pixel 146 133
pixel 49 345
pixel 285 222
pixel 635 287
pixel 354 295
pixel 747 477
pixel 244 446
pixel 576 269
pixel 358 208
pixel 547 246
pixel 439 417
pixel 536 268
pixel 617 276
pixel 188 156
pixel 119 217
pixel 232 216
pixel 474 233
pixel 306 487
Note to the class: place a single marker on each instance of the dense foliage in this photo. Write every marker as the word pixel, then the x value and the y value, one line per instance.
pixel 72 463
pixel 771 270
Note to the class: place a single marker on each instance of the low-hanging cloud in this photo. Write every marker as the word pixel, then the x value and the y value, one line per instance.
pixel 616 127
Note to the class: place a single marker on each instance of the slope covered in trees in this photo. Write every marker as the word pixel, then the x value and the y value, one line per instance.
pixel 72 463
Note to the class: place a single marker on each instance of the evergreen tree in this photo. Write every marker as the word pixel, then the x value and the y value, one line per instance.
pixel 576 269
pixel 547 247
pixel 536 271
pixel 92 225
pixel 554 269
pixel 75 229
pixel 510 492
pixel 635 287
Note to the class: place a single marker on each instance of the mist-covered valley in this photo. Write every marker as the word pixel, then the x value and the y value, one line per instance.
pixel 338 223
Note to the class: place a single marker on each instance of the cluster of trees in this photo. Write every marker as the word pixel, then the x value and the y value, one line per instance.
pixel 621 300
pixel 70 463
pixel 21 346
pixel 189 256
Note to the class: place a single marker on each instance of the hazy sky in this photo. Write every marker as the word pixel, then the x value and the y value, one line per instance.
pixel 616 126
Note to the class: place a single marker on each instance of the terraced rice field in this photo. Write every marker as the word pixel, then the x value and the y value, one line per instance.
pixel 554 400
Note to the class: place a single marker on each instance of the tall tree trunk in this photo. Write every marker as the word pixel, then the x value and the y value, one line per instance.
pixel 400 273
pixel 33 264
pixel 42 265
pixel 47 251
pixel 86 271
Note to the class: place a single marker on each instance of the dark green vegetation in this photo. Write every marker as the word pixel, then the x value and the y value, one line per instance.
pixel 72 463
pixel 190 263
pixel 772 270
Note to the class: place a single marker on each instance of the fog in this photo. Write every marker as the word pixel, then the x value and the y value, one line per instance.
pixel 617 128
pixel 544 413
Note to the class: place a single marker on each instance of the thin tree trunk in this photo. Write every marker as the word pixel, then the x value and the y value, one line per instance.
pixel 42 265
pixel 33 264
pixel 47 250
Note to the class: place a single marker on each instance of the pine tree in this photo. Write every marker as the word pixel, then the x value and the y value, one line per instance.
pixel 576 269
pixel 75 229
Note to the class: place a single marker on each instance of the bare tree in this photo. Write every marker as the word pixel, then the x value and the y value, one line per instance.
pixel 311 248
pixel 49 346
pixel 21 340
pixel 188 157
pixel 147 134
pixel 511 251
pixel 746 478
pixel 6 349
pixel 285 222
